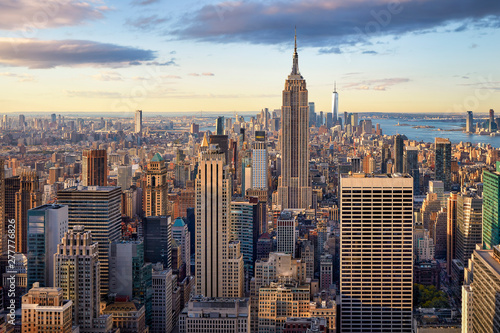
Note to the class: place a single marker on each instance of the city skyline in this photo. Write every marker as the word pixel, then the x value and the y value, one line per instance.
pixel 118 57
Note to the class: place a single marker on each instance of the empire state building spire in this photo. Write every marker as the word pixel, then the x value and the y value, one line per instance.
pixel 294 189
pixel 295 68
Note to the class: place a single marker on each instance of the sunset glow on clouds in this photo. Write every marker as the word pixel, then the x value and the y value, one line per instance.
pixel 407 56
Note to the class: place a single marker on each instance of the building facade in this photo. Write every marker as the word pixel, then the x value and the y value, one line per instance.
pixel 213 195
pixel 376 218
pixel 98 209
pixel 443 161
pixel 47 225
pixel 94 167
pixel 155 188
pixel 294 189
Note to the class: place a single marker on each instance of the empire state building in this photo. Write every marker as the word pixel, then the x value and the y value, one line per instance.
pixel 294 189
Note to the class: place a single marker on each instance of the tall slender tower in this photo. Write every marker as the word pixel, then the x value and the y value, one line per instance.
pixel 294 190
pixel 138 121
pixel 335 103
pixel 443 161
pixel 219 265
pixel 398 154
pixel 155 188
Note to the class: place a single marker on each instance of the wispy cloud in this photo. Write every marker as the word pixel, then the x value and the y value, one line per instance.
pixel 92 94
pixel 328 24
pixel 144 2
pixel 202 74
pixel 34 53
pixel 146 23
pixel 376 84
pixel 19 77
pixel 108 76
pixel 27 15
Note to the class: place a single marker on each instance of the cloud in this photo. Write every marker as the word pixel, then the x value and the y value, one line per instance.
pixel 328 24
pixel 170 77
pixel 92 94
pixel 146 23
pixel 31 15
pixel 377 84
pixel 170 62
pixel 144 2
pixel 370 52
pixel 202 74
pixel 108 76
pixel 19 77
pixel 34 53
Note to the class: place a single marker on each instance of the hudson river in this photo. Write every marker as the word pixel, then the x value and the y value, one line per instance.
pixel 389 127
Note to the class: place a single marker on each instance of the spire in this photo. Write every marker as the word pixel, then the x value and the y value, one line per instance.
pixel 205 141
pixel 295 68
pixel 334 86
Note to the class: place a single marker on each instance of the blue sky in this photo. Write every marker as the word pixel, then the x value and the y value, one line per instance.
pixel 159 55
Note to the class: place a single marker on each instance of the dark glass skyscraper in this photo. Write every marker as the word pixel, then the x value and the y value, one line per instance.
pixel 157 240
pixel 398 154
pixel 411 167
pixel 443 162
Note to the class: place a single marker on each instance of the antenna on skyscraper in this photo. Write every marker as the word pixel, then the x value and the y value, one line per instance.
pixel 334 86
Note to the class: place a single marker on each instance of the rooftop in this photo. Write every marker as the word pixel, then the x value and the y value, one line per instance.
pixel 157 158
pixel 487 256
pixel 81 188
pixel 48 206
pixel 372 175
pixel 179 222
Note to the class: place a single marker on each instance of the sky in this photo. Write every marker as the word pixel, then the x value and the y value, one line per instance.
pixel 407 56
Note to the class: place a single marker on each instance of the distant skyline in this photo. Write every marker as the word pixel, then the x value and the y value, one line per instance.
pixel 407 56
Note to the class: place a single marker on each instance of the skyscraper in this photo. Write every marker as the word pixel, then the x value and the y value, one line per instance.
pixel 182 235
pixel 294 190
pixel 376 279
pixel 94 167
pixel 443 161
pixel 219 125
pixel 77 273
pixel 47 225
pixel 138 121
pixel 162 299
pixel 398 154
pixel 469 122
pixel 214 258
pixel 245 228
pixel 124 178
pixel 28 197
pixel 469 226
pixel 312 114
pixel 451 231
pixel 259 161
pixel 129 274
pixel 155 188
pixel 411 167
pixel 491 207
pixel 157 232
pixel 335 103
pixel 98 209
pixel 485 289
